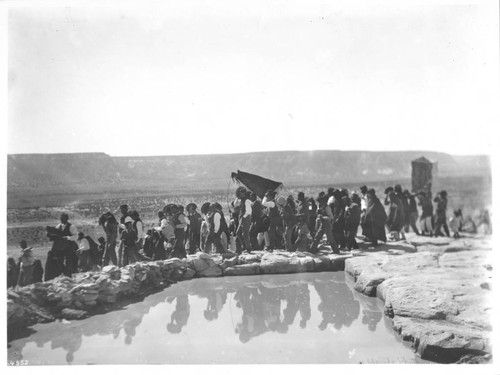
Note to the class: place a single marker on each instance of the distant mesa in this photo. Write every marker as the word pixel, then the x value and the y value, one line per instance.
pixel 100 169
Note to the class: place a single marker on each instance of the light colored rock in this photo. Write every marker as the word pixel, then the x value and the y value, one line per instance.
pixel 200 261
pixel 242 270
pixel 441 341
pixel 103 281
pixel 418 302
pixel 249 258
pixel 367 282
pixel 322 263
pixel 338 261
pixel 171 263
pixel 285 263
pixel 113 271
pixel 127 271
pixel 202 255
pixel 213 271
pixel 437 295
pixel 230 262
pixel 303 264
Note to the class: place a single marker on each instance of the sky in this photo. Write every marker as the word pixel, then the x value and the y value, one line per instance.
pixel 199 77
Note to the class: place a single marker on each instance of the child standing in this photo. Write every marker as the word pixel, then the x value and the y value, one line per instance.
pixel 456 223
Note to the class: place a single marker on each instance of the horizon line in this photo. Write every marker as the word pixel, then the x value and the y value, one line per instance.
pixel 242 153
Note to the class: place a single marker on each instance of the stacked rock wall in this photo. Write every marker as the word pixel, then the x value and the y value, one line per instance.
pixel 87 293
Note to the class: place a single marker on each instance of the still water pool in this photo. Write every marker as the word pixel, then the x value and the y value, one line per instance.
pixel 299 318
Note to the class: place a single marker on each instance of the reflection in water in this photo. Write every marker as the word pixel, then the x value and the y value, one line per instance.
pixel 251 307
pixel 69 336
pixel 371 312
pixel 180 316
pixel 337 305
pixel 297 299
pixel 215 302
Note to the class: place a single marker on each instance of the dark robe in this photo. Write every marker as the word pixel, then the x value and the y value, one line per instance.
pixel 396 219
pixel 375 219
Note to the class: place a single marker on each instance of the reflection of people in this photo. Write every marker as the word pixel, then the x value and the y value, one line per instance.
pixel 180 316
pixel 337 305
pixel 292 304
pixel 71 343
pixel 304 299
pixel 215 302
pixel 371 312
pixel 252 321
pixel 271 302
pixel 130 326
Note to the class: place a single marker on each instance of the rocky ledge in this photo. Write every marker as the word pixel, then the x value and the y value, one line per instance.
pixel 438 293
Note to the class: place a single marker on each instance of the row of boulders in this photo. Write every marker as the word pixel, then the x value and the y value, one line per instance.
pixel 439 300
pixel 86 293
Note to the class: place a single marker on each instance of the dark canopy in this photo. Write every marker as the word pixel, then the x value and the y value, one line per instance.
pixel 259 185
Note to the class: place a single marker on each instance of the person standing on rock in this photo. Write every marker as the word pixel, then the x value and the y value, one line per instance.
pixel 456 223
pixel 245 219
pixel 270 238
pixel 122 255
pixel 338 224
pixel 260 221
pixel 225 237
pixel 129 239
pixel 313 209
pixel 68 234
pixel 12 272
pixel 352 218
pixel 194 228
pixel 426 216
pixel 363 206
pixel 289 222
pixel 205 226
pixel 167 227
pixel 375 219
pixel 110 226
pixel 84 263
pixel 413 212
pixel 395 220
pixel 138 226
pixel 217 225
pixel 30 269
pixel 234 213
pixel 325 218
pixel 405 207
pixel 302 208
pixel 441 221
pixel 180 224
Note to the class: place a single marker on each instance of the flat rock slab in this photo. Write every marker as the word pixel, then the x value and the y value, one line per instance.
pixel 441 341
pixel 436 298
pixel 242 270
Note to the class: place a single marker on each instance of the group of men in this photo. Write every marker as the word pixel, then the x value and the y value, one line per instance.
pixel 255 223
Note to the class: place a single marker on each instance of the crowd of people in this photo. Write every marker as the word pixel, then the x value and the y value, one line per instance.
pixel 273 222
